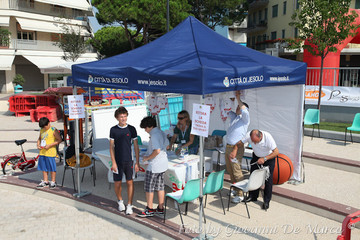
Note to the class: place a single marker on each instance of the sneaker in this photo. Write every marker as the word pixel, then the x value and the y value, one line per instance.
pixel 129 210
pixel 147 213
pixel 42 184
pixel 52 185
pixel 237 199
pixel 121 205
pixel 159 211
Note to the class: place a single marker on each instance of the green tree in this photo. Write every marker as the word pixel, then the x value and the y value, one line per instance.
pixel 219 12
pixel 146 17
pixel 19 79
pixel 4 37
pixel 322 25
pixel 71 42
pixel 111 41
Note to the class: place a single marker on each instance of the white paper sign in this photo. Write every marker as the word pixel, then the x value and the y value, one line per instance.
pixel 200 120
pixel 76 106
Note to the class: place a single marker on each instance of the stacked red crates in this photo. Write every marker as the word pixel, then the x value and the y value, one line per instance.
pixel 53 113
pixel 22 104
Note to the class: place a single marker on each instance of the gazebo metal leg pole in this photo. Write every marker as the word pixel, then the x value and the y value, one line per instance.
pixel 77 154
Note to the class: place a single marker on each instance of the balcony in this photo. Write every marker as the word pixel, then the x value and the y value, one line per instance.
pixel 37 45
pixel 255 4
pixel 257 27
pixel 55 11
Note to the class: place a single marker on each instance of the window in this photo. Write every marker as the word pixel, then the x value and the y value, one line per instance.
pixel 260 16
pixel 357 4
pixel 25 34
pixel 258 39
pixel 284 8
pixel 296 32
pixel 264 37
pixel 254 18
pixel 26 3
pixel 275 11
pixel 60 10
pixel 253 42
pixel 265 14
pixel 283 33
pixel 297 4
pixel 273 35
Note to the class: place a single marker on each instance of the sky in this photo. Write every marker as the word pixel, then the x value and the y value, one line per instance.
pixel 93 21
pixel 94 24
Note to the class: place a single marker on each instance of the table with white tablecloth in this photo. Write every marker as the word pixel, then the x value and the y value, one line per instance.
pixel 180 169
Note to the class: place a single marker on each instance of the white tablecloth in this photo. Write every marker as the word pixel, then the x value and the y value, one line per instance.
pixel 180 170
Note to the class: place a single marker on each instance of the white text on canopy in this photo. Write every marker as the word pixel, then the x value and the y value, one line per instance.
pixel 76 106
pixel 200 120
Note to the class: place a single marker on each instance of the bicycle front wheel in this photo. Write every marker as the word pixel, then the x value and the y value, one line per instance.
pixel 9 165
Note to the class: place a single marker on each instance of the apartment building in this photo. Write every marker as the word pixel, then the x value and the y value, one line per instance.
pixel 235 32
pixel 34 27
pixel 268 25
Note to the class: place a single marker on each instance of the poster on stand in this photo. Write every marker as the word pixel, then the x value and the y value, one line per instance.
pixel 76 106
pixel 200 120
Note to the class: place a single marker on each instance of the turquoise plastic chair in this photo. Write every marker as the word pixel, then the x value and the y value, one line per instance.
pixel 354 127
pixel 221 133
pixel 115 102
pixel 214 183
pixel 190 193
pixel 139 140
pixel 312 117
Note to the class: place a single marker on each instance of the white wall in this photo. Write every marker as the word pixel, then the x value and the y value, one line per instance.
pixel 278 110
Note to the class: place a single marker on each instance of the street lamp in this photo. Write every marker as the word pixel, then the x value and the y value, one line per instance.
pixel 167 16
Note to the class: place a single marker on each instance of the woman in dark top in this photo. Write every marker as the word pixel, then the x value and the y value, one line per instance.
pixel 182 134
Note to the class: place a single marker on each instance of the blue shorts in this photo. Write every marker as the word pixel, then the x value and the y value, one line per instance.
pixel 46 164
pixel 124 168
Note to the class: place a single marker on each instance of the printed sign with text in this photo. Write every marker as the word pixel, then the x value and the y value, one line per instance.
pixel 200 120
pixel 76 106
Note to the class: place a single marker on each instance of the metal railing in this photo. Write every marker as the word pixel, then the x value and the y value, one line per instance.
pixel 343 76
pixel 40 45
pixel 27 6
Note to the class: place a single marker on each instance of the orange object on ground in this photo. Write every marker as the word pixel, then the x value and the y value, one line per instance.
pixel 283 169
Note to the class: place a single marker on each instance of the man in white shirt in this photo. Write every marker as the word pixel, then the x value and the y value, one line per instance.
pixel 264 153
pixel 239 123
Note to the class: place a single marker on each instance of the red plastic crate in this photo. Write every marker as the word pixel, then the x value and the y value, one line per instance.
pixel 33 115
pixel 53 113
pixel 22 104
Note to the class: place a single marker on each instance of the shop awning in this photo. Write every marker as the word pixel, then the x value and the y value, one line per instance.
pixel 54 64
pixel 4 21
pixel 78 4
pixel 6 61
pixel 43 26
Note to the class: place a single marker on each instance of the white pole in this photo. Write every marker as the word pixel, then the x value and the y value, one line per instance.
pixel 79 194
pixel 87 137
pixel 77 148
pixel 201 179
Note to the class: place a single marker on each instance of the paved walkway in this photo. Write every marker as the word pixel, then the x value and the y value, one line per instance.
pixel 279 222
pixel 24 216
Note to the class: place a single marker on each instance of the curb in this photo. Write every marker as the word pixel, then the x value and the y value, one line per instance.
pixel 333 135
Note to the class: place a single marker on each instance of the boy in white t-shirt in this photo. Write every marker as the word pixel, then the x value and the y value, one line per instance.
pixel 158 164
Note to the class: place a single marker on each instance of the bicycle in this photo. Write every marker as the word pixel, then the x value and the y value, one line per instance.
pixel 13 161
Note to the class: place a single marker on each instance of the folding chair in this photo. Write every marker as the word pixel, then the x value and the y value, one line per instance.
pixel 255 181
